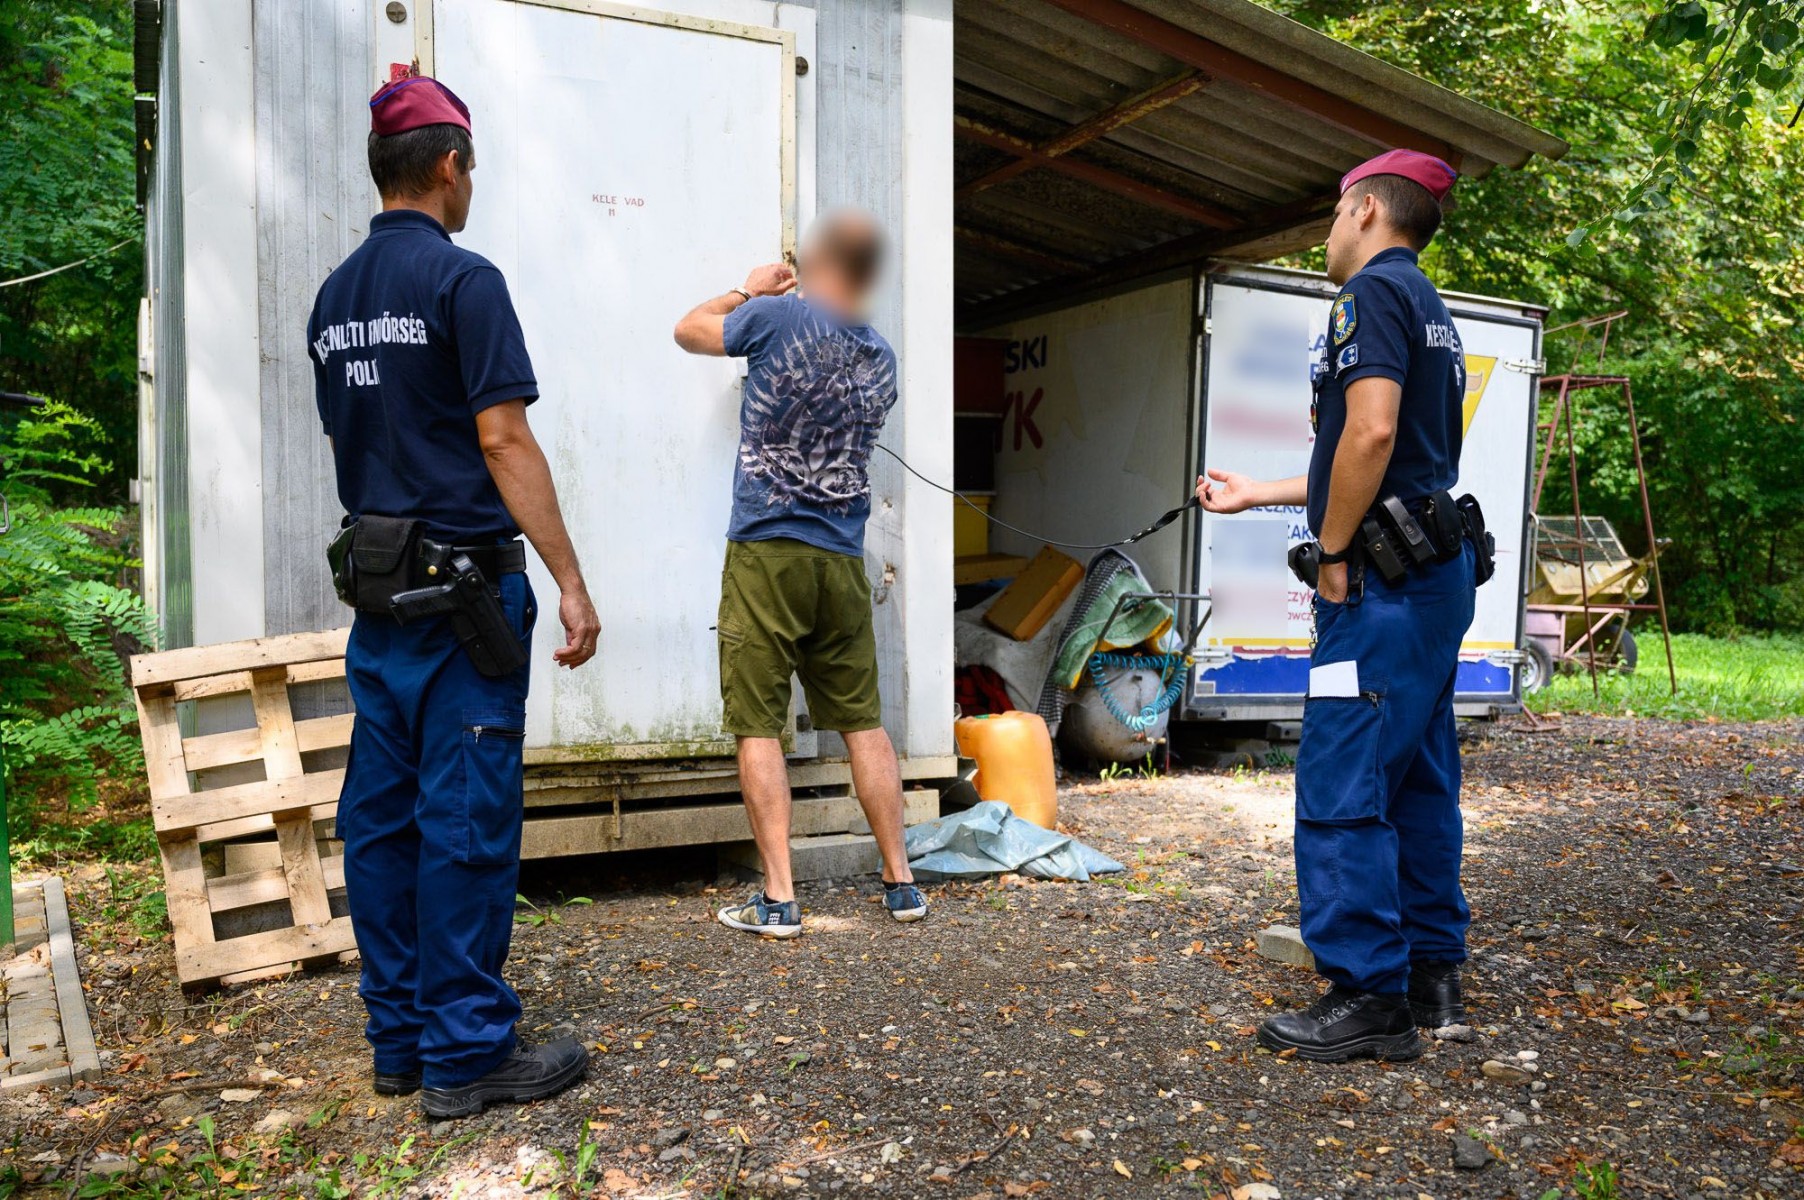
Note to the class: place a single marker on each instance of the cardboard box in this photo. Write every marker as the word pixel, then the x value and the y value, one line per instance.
pixel 1025 605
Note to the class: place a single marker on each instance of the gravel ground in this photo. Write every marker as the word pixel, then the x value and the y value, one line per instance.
pixel 1637 990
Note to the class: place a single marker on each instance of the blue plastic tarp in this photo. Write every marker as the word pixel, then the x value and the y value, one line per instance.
pixel 989 838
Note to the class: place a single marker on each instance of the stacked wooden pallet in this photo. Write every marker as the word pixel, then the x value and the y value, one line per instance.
pixel 244 800
pixel 246 688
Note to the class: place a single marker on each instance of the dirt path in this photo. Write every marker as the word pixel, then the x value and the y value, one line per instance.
pixel 1638 891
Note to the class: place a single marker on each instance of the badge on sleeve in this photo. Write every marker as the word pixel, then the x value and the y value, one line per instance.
pixel 1349 357
pixel 1345 318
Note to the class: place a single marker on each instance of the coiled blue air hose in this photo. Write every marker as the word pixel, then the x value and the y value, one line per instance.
pixel 1171 668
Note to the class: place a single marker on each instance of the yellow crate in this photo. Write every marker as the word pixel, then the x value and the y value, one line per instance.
pixel 970 532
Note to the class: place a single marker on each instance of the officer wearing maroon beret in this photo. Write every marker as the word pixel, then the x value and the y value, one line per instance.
pixel 422 380
pixel 1378 833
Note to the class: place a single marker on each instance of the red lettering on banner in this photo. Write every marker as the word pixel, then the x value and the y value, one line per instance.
pixel 1023 409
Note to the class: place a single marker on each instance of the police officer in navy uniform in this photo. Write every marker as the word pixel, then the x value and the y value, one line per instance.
pixel 1378 832
pixel 422 380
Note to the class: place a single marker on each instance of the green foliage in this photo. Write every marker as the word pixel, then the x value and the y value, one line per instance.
pixel 1714 339
pixel 1738 53
pixel 1739 679
pixel 67 192
pixel 67 614
pixel 1595 1181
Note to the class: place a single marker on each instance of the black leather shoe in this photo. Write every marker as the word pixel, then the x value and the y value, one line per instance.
pixel 1346 1024
pixel 532 1073
pixel 1434 995
pixel 401 1083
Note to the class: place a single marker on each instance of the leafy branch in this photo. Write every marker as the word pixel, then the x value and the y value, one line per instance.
pixel 1745 51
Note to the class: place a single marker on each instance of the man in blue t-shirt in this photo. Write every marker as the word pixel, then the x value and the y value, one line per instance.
pixel 794 598
pixel 422 380
pixel 1378 832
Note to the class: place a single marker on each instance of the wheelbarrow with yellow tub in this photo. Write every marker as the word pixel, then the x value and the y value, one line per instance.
pixel 1583 593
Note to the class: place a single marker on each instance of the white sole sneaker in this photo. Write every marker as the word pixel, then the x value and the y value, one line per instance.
pixel 725 917
pixel 909 914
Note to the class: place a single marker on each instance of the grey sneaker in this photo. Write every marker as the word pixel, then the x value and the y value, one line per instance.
pixel 760 916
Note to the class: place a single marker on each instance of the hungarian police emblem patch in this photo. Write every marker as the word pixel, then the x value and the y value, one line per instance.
pixel 1344 319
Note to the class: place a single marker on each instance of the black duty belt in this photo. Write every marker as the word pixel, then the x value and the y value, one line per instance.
pixel 494 560
pixel 1396 537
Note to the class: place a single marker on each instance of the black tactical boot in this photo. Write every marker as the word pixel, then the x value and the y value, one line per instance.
pixel 532 1073
pixel 1434 995
pixel 397 1083
pixel 1346 1024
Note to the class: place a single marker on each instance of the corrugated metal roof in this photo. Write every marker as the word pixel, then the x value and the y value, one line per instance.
pixel 1103 139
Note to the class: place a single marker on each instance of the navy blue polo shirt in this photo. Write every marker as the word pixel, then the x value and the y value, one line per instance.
pixel 1388 320
pixel 411 337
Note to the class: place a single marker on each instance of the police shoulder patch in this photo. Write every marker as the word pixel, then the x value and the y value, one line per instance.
pixel 1344 319
pixel 1349 357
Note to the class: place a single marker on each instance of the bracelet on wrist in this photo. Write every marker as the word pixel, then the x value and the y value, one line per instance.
pixel 739 291
pixel 1327 559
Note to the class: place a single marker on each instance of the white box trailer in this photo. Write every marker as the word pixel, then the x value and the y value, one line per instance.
pixel 631 161
pixel 1119 402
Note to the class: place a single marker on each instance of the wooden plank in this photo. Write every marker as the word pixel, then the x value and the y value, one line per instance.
pixel 261 974
pixel 239 681
pixel 220 831
pixel 579 790
pixel 281 748
pixel 723 747
pixel 182 813
pixel 206 963
pixel 266 885
pixel 301 868
pixel 185 892
pixel 174 666
pixel 210 750
pixel 161 734
pixel 71 1001
pixel 982 568
pixel 697 825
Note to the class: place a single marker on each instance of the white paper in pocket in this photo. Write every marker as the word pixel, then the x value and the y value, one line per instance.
pixel 1334 679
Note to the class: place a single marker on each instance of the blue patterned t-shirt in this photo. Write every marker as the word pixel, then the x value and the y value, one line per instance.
pixel 817 392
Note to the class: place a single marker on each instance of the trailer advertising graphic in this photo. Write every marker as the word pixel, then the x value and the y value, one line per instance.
pixel 1264 342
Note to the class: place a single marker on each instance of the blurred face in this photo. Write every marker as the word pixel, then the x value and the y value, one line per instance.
pixel 838 258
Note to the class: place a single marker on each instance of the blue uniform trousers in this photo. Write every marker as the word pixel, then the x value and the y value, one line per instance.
pixel 430 816
pixel 1378 834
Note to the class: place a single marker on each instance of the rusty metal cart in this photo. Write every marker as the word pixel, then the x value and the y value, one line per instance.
pixel 1579 616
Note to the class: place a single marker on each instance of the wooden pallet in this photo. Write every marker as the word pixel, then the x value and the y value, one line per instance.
pixel 290 800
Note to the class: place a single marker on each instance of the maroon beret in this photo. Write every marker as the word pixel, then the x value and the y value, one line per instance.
pixel 1413 165
pixel 413 102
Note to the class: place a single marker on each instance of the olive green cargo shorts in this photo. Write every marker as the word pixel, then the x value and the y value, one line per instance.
pixel 790 608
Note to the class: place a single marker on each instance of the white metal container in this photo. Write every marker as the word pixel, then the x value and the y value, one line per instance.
pixel 631 161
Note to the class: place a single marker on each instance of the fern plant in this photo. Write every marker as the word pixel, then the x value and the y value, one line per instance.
pixel 67 615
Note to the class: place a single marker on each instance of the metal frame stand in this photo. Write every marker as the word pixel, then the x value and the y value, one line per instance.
pixel 1564 404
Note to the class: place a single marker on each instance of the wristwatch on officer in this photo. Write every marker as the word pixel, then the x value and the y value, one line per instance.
pixel 1323 558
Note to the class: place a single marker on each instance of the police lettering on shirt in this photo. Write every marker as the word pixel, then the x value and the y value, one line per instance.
pixel 358 335
pixel 412 337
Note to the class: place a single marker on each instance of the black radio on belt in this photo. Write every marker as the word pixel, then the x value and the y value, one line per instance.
pixel 1393 540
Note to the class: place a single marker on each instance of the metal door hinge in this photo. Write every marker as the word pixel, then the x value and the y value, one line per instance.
pixel 1528 366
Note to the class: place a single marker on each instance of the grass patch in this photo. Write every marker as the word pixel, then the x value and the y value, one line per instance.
pixel 1754 678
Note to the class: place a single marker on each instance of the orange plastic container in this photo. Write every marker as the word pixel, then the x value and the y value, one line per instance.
pixel 1014 763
